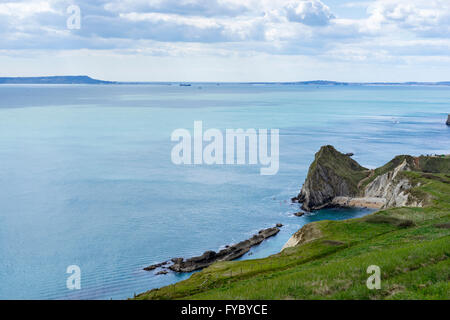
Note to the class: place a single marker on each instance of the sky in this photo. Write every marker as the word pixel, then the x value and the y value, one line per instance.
pixel 227 40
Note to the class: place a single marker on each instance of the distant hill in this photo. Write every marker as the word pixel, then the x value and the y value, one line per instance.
pixel 53 80
pixel 337 83
pixel 89 80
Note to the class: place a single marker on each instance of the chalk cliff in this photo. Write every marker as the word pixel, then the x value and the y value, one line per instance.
pixel 334 179
pixel 306 234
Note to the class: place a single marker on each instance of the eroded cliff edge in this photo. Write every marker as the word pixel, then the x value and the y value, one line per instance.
pixel 334 179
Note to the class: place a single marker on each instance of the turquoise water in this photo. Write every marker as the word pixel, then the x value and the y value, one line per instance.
pixel 86 177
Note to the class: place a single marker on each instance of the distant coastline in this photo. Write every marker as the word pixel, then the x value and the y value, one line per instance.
pixel 82 79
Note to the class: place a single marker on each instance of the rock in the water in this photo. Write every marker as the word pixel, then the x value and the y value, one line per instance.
pixel 176 260
pixel 230 253
pixel 299 214
pixel 448 120
pixel 154 266
pixel 162 272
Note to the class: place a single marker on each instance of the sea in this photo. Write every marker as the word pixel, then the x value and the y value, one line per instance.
pixel 87 178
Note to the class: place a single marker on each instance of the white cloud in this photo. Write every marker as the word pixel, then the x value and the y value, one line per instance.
pixel 391 31
pixel 423 17
pixel 23 10
pixel 309 12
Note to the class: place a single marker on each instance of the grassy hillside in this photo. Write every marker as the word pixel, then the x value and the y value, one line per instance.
pixel 410 245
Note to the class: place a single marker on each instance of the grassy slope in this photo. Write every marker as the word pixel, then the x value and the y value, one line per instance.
pixel 414 259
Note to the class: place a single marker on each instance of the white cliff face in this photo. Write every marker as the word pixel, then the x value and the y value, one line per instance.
pixel 386 191
pixel 381 186
pixel 390 188
pixel 306 234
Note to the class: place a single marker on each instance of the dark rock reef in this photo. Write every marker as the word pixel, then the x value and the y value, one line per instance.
pixel 230 252
pixel 155 266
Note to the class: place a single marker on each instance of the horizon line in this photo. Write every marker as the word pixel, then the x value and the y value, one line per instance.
pixel 91 80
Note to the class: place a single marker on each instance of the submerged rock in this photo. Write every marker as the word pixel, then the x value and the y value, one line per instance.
pixel 162 272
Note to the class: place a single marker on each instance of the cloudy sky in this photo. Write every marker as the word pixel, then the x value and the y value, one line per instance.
pixel 228 40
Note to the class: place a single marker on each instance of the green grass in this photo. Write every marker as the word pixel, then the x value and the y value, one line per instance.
pixel 434 164
pixel 406 243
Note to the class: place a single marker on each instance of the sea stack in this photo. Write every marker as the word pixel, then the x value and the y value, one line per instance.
pixel 448 120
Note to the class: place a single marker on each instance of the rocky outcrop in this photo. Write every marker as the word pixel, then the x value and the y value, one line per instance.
pixel 155 266
pixel 332 174
pixel 335 180
pixel 306 234
pixel 448 120
pixel 231 252
pixel 382 188
pixel 392 189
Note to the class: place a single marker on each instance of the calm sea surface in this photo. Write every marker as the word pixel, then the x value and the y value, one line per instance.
pixel 86 177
